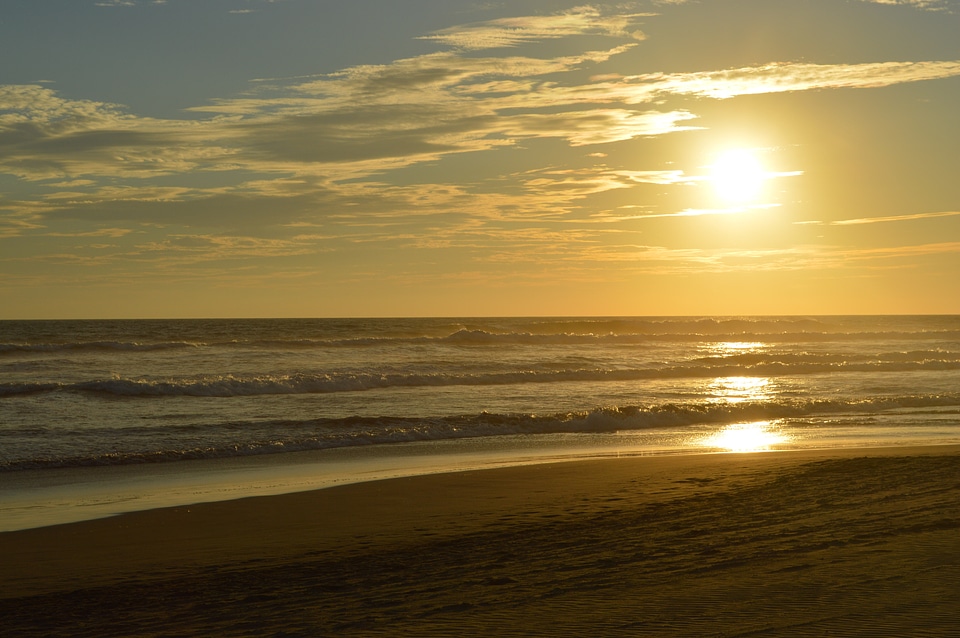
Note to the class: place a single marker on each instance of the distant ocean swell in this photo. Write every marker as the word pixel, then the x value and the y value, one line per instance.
pixel 92 346
pixel 751 365
pixel 273 436
pixel 482 337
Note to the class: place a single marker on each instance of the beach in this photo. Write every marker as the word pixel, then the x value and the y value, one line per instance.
pixel 479 319
pixel 801 543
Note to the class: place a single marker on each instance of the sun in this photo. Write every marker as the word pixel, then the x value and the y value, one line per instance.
pixel 738 176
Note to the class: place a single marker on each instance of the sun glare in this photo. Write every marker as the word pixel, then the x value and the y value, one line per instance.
pixel 737 176
pixel 759 436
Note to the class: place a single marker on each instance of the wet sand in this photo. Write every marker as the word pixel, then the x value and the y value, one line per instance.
pixel 807 543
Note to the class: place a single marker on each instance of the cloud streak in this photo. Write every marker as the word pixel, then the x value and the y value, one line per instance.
pixel 512 32
pixel 882 220
pixel 929 5
pixel 783 77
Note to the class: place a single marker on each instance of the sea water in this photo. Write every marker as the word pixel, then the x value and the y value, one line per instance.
pixel 339 398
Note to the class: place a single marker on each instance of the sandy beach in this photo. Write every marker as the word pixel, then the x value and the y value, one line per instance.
pixel 861 542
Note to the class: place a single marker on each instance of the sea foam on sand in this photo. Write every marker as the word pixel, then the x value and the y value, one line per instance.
pixel 833 542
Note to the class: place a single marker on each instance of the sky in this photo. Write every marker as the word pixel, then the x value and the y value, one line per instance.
pixel 310 158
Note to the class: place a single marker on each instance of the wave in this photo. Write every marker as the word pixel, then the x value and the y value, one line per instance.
pixel 481 337
pixel 276 436
pixel 322 383
pixel 845 359
pixel 80 346
pixel 548 333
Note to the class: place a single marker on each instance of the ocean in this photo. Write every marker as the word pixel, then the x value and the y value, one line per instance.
pixel 80 397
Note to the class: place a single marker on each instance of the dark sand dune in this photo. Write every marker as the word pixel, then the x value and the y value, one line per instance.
pixel 831 543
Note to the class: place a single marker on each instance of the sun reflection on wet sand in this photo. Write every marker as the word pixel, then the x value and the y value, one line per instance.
pixel 758 436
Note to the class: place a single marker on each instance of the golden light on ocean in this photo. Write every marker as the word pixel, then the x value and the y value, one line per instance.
pixel 741 389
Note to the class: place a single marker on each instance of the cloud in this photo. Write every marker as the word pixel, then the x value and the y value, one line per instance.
pixel 176 256
pixel 28 103
pixel 881 220
pixel 929 5
pixel 843 257
pixel 361 120
pixel 371 119
pixel 126 3
pixel 102 232
pixel 511 32
pixel 663 260
pixel 196 248
pixel 320 152
pixel 568 185
pixel 893 218
pixel 691 212
pixel 413 79
pixel 44 136
pixel 14 224
pixel 597 126
pixel 785 77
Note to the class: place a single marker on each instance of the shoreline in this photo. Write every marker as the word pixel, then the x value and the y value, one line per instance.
pixel 572 545
pixel 32 499
pixel 36 498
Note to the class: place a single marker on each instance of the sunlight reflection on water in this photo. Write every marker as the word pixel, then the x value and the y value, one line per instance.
pixel 741 389
pixel 738 389
pixel 734 347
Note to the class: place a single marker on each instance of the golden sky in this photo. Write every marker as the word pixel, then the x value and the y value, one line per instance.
pixel 450 158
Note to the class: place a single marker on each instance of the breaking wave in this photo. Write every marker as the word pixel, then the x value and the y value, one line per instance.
pixel 93 346
pixel 580 333
pixel 275 436
pixel 749 364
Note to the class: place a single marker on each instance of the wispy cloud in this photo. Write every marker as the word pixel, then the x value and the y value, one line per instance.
pixel 881 220
pixel 126 3
pixel 893 218
pixel 786 77
pixel 663 260
pixel 44 136
pixel 103 232
pixel 510 32
pixel 695 212
pixel 930 5
pixel 370 119
pixel 362 120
